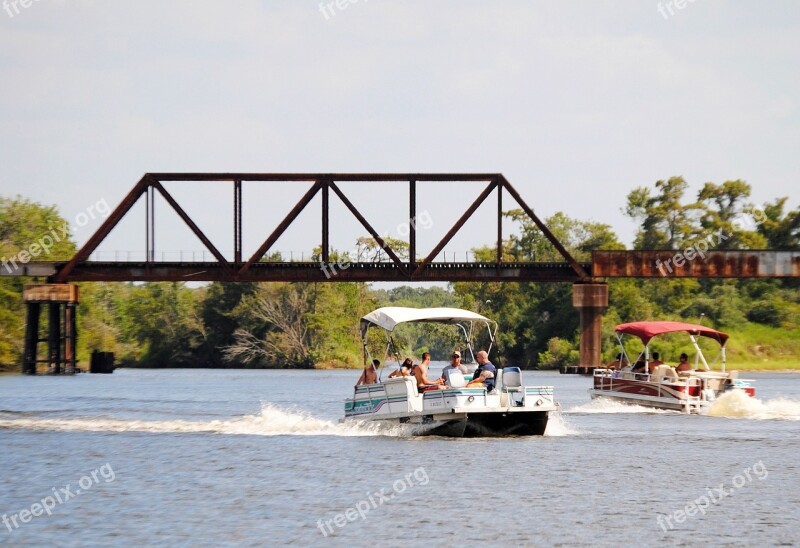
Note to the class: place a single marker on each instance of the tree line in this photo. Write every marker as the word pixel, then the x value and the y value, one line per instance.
pixel 280 325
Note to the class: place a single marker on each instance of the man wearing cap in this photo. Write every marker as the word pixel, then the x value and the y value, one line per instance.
pixel 455 363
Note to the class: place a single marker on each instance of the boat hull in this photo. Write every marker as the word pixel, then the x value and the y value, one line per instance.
pixel 690 394
pixel 454 412
pixel 519 423
pixel 477 425
pixel 650 401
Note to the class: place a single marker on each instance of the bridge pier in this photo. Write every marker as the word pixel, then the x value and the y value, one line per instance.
pixel 61 301
pixel 591 300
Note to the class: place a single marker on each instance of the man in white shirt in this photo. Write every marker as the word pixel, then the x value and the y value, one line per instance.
pixel 455 363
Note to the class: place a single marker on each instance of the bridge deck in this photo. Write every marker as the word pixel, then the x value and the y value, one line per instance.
pixel 305 272
pixel 605 264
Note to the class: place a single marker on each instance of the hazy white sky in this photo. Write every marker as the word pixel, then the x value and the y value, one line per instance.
pixel 575 102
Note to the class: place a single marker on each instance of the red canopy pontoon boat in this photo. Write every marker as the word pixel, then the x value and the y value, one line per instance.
pixel 655 384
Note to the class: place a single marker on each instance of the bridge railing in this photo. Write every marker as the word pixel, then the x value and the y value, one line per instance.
pixel 291 256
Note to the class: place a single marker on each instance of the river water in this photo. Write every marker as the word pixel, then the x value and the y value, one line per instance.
pixel 235 457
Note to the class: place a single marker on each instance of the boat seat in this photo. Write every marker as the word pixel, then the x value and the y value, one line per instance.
pixel 664 373
pixel 455 378
pixel 512 379
pixel 512 384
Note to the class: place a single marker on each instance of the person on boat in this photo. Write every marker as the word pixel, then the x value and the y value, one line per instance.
pixel 403 371
pixel 455 363
pixel 370 374
pixel 484 365
pixel 482 381
pixel 617 362
pixel 684 366
pixel 421 373
pixel 655 363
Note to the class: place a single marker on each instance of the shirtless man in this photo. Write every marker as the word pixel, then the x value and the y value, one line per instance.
pixel 421 373
pixel 370 374
pixel 684 366
pixel 655 363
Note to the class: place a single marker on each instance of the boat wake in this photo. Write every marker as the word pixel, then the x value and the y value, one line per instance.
pixel 557 426
pixel 737 404
pixel 609 406
pixel 271 421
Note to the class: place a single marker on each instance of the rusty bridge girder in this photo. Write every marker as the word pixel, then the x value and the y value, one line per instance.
pixel 311 272
pixel 695 263
pixel 255 268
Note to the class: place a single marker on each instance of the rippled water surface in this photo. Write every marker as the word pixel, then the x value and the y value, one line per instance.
pixel 212 457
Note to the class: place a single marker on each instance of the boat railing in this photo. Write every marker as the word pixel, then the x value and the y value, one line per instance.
pixel 607 377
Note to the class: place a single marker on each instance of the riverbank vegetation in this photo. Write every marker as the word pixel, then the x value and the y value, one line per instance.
pixel 280 325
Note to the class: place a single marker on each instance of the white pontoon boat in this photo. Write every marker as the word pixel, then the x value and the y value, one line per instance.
pixel 455 409
pixel 692 391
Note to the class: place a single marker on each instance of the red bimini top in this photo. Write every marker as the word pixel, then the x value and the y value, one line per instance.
pixel 647 330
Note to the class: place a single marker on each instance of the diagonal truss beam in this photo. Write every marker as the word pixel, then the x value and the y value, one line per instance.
pixel 108 225
pixel 281 228
pixel 455 228
pixel 190 223
pixel 369 228
pixel 579 270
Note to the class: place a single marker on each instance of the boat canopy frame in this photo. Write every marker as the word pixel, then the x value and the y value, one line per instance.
pixel 389 317
pixel 646 331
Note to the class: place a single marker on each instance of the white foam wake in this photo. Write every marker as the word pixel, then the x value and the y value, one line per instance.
pixel 558 426
pixel 737 404
pixel 609 406
pixel 271 421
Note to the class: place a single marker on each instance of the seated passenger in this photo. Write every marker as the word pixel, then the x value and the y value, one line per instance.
pixel 370 374
pixel 638 367
pixel 455 363
pixel 403 371
pixel 483 380
pixel 655 363
pixel 684 366
pixel 617 362
pixel 421 374
pixel 484 365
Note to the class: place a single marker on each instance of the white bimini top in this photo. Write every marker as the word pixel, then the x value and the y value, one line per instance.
pixel 389 317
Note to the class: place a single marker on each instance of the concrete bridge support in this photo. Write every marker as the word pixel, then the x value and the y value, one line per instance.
pixel 591 300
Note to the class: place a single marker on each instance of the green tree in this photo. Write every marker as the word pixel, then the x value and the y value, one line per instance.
pixel 161 318
pixel 219 318
pixel 781 230
pixel 724 208
pixel 530 314
pixel 28 232
pixel 664 221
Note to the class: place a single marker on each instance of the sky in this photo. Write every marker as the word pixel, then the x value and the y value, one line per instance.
pixel 576 103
